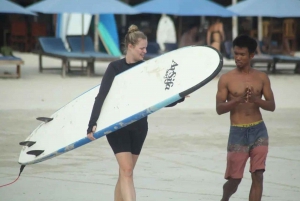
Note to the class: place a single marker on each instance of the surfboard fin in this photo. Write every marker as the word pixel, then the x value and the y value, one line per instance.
pixel 44 119
pixel 35 152
pixel 27 143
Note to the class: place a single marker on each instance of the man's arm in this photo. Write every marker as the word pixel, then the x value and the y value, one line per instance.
pixel 221 105
pixel 269 102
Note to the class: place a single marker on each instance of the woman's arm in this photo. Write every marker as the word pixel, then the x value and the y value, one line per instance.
pixel 106 83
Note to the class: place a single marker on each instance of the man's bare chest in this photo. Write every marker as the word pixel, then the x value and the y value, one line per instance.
pixel 239 85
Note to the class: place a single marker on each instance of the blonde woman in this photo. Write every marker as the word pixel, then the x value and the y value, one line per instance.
pixel 126 142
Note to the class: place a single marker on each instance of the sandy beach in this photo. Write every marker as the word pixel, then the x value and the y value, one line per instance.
pixel 184 156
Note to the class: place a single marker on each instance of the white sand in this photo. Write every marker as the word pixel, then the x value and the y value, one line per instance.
pixel 184 155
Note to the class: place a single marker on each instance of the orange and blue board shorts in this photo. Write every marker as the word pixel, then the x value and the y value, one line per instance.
pixel 246 140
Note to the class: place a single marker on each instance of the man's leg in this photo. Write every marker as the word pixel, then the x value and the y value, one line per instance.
pixel 237 156
pixel 258 156
pixel 257 186
pixel 257 167
pixel 234 173
pixel 229 188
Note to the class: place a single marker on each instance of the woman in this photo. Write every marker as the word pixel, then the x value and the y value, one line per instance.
pixel 215 34
pixel 126 142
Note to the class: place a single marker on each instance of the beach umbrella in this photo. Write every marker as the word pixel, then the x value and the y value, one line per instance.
pixel 82 6
pixel 184 8
pixel 267 8
pixel 12 8
pixel 93 7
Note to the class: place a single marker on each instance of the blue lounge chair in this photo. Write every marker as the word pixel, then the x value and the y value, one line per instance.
pixel 8 60
pixel 54 47
pixel 153 50
pixel 264 58
pixel 287 59
pixel 170 46
pixel 258 58
pixel 85 45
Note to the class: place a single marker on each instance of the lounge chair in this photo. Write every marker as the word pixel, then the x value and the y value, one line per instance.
pixel 84 45
pixel 8 60
pixel 54 47
pixel 263 58
pixel 258 58
pixel 76 43
pixel 287 59
pixel 153 50
pixel 170 46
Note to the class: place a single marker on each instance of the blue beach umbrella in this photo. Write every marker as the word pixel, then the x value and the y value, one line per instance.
pixel 267 8
pixel 184 8
pixel 82 6
pixel 12 8
pixel 93 7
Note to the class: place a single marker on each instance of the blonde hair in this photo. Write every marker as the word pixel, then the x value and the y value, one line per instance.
pixel 132 37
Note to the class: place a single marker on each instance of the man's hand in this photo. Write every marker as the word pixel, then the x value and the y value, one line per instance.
pixel 251 97
pixel 243 98
pixel 91 134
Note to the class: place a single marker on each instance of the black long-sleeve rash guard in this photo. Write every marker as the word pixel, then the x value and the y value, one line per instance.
pixel 113 69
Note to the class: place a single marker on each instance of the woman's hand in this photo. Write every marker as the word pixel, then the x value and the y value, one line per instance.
pixel 91 134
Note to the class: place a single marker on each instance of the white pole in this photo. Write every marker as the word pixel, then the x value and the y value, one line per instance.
pixel 234 23
pixel 96 38
pixel 123 17
pixel 260 29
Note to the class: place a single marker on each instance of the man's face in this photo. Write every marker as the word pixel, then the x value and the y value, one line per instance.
pixel 242 56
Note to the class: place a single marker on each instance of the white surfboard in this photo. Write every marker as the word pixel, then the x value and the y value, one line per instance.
pixel 134 94
pixel 166 32
pixel 78 24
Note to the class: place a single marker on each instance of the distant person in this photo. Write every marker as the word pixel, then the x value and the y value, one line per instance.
pixel 189 37
pixel 240 92
pixel 215 34
pixel 246 29
pixel 289 36
pixel 128 141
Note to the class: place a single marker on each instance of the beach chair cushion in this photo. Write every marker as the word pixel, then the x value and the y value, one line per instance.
pixel 53 45
pixel 76 43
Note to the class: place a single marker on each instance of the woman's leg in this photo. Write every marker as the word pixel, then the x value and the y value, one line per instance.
pixel 216 45
pixel 124 190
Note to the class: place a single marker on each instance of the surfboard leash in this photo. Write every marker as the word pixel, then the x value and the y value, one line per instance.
pixel 21 170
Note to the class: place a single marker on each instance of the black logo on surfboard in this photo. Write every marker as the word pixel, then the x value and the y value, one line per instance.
pixel 170 76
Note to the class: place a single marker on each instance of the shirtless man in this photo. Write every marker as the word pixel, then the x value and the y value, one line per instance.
pixel 240 92
pixel 190 37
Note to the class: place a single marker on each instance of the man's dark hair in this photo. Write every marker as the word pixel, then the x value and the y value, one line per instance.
pixel 245 41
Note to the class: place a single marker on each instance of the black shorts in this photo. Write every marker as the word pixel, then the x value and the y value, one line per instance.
pixel 130 138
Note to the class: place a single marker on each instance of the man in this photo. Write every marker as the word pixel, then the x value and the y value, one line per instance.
pixel 240 92
pixel 190 37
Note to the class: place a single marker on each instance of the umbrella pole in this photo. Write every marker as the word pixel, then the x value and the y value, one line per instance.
pixel 179 29
pixel 96 39
pixel 82 37
pixel 270 35
pixel 82 31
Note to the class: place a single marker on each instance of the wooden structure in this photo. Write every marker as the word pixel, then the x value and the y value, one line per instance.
pixel 17 62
